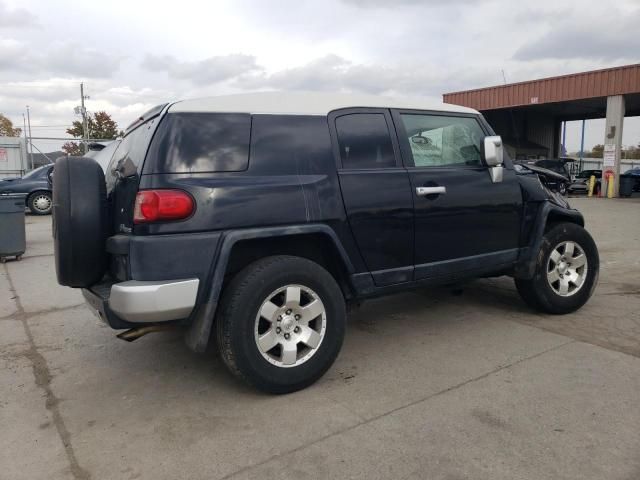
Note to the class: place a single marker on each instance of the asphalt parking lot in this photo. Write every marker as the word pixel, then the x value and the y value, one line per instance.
pixel 435 384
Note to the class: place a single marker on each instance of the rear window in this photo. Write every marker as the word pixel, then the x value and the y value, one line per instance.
pixel 200 142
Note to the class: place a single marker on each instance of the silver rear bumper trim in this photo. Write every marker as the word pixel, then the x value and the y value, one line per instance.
pixel 160 301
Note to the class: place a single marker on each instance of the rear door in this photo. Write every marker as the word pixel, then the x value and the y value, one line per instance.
pixel 464 223
pixel 376 191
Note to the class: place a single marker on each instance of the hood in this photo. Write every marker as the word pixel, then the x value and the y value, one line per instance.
pixel 549 174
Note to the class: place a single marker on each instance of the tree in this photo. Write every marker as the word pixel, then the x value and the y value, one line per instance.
pixel 7 129
pixel 597 151
pixel 101 126
pixel 632 153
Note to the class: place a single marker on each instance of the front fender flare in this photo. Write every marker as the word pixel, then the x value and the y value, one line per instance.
pixel 526 263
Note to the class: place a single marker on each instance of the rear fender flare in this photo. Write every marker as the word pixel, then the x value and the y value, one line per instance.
pixel 199 332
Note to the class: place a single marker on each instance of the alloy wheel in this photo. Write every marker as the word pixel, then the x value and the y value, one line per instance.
pixel 567 268
pixel 290 326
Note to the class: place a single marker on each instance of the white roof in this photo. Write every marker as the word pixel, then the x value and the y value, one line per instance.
pixel 300 103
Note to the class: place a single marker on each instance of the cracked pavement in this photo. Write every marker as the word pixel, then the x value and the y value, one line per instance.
pixel 429 384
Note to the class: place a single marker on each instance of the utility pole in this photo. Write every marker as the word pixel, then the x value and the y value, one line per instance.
pixel 30 145
pixel 22 153
pixel 85 125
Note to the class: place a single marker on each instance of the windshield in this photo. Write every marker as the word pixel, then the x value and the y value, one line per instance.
pixel 36 172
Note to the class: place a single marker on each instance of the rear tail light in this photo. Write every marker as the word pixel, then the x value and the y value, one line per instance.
pixel 161 205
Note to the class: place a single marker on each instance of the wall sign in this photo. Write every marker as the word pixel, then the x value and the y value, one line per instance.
pixel 609 156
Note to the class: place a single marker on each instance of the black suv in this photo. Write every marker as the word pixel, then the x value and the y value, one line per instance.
pixel 257 219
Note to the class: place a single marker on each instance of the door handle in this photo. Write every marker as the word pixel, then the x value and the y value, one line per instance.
pixel 424 191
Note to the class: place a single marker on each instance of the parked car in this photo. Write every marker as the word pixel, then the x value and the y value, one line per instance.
pixel 580 183
pixel 255 220
pixel 635 172
pixel 36 185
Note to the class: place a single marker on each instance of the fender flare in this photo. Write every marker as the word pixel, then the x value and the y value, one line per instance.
pixel 526 264
pixel 199 332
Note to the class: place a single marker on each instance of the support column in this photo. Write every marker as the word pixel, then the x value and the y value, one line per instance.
pixel 613 135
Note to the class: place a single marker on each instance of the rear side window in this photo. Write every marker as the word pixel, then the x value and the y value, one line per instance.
pixel 364 141
pixel 200 142
pixel 281 144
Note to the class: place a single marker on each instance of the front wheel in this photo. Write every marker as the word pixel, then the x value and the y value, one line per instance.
pixel 281 323
pixel 40 203
pixel 566 274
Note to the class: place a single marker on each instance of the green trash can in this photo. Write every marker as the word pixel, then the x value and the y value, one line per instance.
pixel 626 185
pixel 12 230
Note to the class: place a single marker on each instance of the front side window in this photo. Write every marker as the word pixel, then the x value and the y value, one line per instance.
pixel 440 141
pixel 365 141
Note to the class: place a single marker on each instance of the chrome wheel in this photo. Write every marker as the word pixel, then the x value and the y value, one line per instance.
pixel 567 268
pixel 41 203
pixel 290 326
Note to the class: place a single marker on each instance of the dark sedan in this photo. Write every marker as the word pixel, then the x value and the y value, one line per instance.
pixel 36 185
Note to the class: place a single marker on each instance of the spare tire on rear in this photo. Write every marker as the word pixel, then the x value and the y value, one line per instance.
pixel 79 221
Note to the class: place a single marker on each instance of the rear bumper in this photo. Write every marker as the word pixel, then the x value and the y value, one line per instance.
pixel 135 302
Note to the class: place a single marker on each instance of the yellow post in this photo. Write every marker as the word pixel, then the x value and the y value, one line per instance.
pixel 610 186
pixel 592 184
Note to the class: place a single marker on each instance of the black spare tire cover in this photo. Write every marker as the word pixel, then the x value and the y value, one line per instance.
pixel 79 221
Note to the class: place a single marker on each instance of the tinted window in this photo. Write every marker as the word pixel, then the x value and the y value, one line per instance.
pixel 282 144
pixel 200 142
pixel 364 141
pixel 437 140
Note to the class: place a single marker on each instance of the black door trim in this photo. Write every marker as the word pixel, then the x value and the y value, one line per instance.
pixel 463 264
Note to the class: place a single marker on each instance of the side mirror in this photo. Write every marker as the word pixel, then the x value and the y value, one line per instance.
pixel 493 151
pixel 493 157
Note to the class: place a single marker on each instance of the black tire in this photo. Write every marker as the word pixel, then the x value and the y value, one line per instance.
pixel 35 202
pixel 537 291
pixel 79 221
pixel 236 320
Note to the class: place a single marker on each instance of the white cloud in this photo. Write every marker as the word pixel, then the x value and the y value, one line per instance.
pixel 64 58
pixel 210 70
pixel 15 17
pixel 132 55
pixel 611 39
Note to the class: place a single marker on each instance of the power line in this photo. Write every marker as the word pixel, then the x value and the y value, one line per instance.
pixel 51 126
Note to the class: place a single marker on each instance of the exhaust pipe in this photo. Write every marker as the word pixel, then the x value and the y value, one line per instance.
pixel 135 333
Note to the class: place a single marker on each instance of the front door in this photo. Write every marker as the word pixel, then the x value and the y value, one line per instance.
pixel 464 222
pixel 376 192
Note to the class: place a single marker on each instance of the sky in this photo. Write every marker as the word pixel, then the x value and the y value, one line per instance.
pixel 135 54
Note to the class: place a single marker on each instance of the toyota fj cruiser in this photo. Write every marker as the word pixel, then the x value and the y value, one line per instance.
pixel 256 219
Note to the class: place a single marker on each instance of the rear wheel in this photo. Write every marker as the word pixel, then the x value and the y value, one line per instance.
pixel 566 271
pixel 281 323
pixel 40 203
